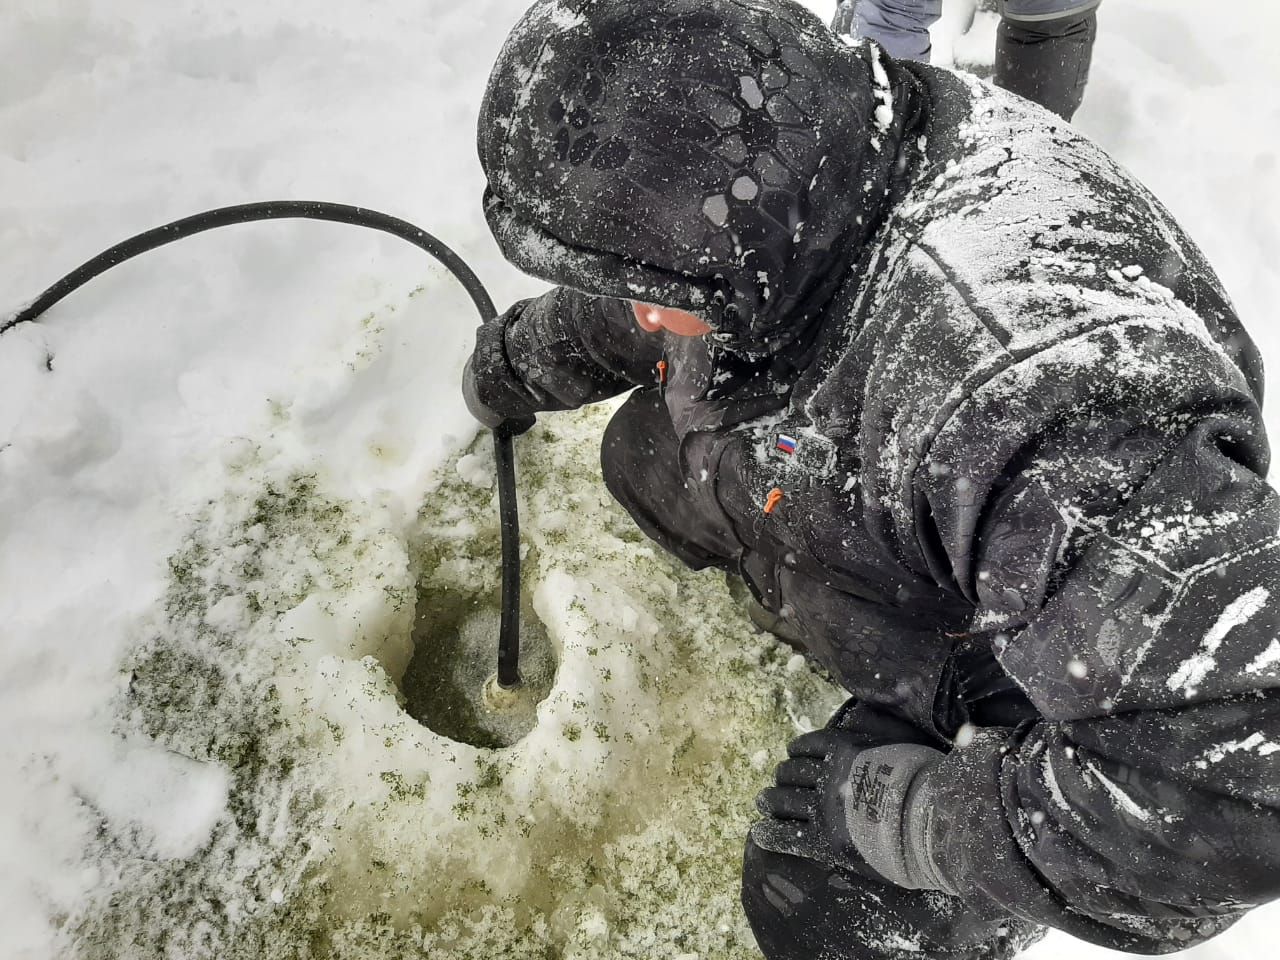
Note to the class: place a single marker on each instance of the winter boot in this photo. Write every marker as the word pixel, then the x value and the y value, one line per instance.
pixel 1046 60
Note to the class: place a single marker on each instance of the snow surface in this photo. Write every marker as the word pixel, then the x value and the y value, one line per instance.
pixel 222 414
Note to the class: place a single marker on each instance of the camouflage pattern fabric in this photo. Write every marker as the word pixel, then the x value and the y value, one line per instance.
pixel 1011 416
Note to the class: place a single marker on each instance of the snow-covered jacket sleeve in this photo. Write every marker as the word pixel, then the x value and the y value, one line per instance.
pixel 560 351
pixel 1142 811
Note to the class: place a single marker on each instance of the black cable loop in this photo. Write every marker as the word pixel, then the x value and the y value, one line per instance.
pixel 504 459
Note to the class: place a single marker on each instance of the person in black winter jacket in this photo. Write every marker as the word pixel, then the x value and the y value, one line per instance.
pixel 974 421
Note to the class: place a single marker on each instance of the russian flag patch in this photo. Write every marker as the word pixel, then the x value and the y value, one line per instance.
pixel 786 444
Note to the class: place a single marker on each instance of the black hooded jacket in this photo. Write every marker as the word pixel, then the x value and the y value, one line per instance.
pixel 1001 412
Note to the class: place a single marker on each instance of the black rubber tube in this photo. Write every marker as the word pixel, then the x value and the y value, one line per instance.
pixel 253 213
pixel 504 458
pixel 508 517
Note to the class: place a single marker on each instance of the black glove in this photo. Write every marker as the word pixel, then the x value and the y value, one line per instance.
pixel 490 387
pixel 854 806
pixel 486 415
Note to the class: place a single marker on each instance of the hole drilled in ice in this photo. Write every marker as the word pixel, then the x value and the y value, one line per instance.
pixel 448 685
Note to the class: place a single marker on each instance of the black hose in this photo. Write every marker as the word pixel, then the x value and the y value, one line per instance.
pixel 252 213
pixel 504 460
pixel 509 630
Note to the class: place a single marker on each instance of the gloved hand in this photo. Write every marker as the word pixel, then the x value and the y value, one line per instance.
pixel 852 806
pixel 490 390
pixel 485 414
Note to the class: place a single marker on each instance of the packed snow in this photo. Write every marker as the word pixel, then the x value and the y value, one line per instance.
pixel 1192 672
pixel 237 485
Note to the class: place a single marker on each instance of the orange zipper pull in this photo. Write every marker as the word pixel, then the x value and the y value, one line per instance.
pixel 662 373
pixel 772 501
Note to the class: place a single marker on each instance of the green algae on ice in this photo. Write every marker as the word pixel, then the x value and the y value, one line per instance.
pixel 306 636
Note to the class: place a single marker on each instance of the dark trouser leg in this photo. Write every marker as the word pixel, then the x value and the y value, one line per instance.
pixel 800 909
pixel 640 459
pixel 900 26
pixel 803 910
pixel 1047 60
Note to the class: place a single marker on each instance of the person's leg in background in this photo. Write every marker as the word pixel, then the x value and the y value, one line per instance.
pixel 901 27
pixel 1043 51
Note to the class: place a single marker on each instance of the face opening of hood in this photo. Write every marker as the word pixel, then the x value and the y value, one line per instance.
pixel 528 245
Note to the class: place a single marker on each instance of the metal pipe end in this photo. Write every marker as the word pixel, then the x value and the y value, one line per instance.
pixel 498 696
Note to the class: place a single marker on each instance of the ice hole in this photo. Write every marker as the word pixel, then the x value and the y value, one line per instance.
pixel 450 685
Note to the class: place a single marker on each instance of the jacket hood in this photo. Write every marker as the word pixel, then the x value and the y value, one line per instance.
pixel 711 155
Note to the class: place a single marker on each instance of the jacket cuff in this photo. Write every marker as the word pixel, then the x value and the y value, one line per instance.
pixel 1037 11
pixel 971 840
pixel 974 844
